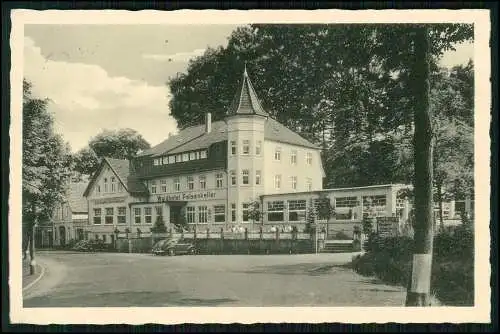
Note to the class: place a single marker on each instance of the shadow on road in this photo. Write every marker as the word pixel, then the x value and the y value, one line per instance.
pixel 309 269
pixel 123 299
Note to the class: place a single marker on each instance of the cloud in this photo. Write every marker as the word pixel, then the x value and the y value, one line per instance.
pixel 85 99
pixel 179 56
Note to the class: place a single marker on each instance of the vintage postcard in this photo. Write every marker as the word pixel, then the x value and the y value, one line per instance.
pixel 250 166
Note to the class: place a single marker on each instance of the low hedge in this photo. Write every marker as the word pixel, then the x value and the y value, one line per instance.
pixel 452 278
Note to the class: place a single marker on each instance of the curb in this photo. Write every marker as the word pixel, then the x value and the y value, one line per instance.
pixel 36 280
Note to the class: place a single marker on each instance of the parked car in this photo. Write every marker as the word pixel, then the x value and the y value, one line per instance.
pixel 173 246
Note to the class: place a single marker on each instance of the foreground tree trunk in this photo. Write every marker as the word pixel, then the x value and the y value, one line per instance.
pixel 419 286
pixel 440 201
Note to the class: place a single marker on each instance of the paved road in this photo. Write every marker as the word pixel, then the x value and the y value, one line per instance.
pixel 142 280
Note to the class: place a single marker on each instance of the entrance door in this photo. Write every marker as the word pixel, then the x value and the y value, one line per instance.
pixel 79 234
pixel 175 212
pixel 62 236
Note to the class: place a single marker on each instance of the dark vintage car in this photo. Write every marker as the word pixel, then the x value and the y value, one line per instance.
pixel 173 247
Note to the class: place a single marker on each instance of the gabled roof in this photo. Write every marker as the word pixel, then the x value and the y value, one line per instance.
pixel 76 201
pixel 245 101
pixel 121 168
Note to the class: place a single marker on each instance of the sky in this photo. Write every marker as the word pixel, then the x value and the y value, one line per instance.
pixel 114 76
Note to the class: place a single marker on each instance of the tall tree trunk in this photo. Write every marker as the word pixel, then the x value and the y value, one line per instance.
pixel 419 288
pixel 439 187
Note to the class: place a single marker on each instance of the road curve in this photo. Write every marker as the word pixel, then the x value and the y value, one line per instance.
pixel 143 280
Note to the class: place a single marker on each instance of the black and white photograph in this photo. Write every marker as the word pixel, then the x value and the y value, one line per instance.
pixel 174 165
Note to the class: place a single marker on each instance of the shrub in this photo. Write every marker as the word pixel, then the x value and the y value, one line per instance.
pixel 453 263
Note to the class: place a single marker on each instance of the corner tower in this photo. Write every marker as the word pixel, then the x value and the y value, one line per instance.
pixel 245 130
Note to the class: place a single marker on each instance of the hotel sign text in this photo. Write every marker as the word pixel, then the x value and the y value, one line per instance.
pixel 192 196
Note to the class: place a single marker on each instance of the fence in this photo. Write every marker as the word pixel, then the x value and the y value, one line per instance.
pixel 221 242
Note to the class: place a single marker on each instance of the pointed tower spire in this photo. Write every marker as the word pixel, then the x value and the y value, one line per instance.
pixel 246 101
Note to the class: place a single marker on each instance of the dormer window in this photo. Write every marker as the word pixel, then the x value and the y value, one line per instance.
pixel 192 155
pixel 171 159
pixel 165 160
pixel 203 154
pixel 185 157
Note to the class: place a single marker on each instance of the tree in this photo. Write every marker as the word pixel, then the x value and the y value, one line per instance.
pixel 345 87
pixel 159 226
pixel 46 164
pixel 310 217
pixel 118 144
pixel 254 211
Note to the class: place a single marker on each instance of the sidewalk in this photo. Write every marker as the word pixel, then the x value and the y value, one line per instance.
pixel 27 278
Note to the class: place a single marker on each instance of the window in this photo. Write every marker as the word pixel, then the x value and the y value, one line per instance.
pixel 246 147
pixel 309 184
pixel 98 189
pixel 245 212
pixel 156 162
pixel 97 216
pixel 202 214
pixel 293 157
pixel 148 215
pixel 171 159
pixel 233 147
pixel 120 187
pixel 219 179
pixel 122 214
pixel 163 186
pixel 233 212
pixel 177 184
pixel 203 182
pixel 159 211
pixel 297 210
pixel 219 213
pixel 137 214
pixel 113 184
pixel 277 154
pixel 190 182
pixel 309 158
pixel 293 181
pixel 190 215
pixel 275 211
pixel 165 160
pixel 277 181
pixel 257 177
pixel 233 178
pixel 203 154
pixel 374 204
pixel 178 158
pixel 245 176
pixel 105 185
pixel 346 202
pixel 153 187
pixel 108 219
pixel 192 156
pixel 185 157
pixel 258 147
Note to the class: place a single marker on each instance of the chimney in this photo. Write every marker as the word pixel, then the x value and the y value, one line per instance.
pixel 208 122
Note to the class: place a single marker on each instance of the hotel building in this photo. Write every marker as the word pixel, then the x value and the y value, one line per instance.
pixel 209 173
